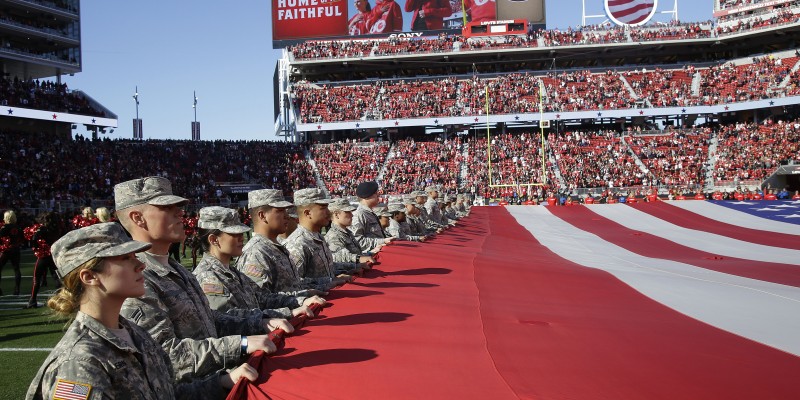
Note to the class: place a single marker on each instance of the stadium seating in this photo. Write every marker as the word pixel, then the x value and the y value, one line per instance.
pixel 342 166
pixel 38 168
pixel 44 95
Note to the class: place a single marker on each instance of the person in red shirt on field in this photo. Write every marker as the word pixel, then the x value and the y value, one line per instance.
pixel 385 17
pixel 796 195
pixel 428 14
pixel 358 24
pixel 770 195
pixel 481 10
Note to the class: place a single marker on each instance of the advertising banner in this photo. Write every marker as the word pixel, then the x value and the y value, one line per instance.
pixel 295 20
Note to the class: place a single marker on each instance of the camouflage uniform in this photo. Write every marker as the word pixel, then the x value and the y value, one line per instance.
pixel 174 309
pixel 101 365
pixel 311 256
pixel 433 211
pixel 343 244
pixel 177 314
pixel 366 228
pixel 270 267
pixel 230 291
pixel 402 231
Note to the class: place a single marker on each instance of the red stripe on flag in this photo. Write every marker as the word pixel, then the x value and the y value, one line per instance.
pixel 690 220
pixel 559 330
pixel 621 13
pixel 652 246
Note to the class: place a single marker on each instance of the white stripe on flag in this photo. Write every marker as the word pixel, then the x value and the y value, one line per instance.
pixel 750 308
pixel 620 10
pixel 632 218
pixel 733 217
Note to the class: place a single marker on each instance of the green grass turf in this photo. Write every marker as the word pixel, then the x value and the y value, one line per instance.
pixel 33 328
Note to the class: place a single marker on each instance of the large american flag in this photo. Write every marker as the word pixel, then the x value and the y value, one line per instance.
pixel 630 11
pixel 665 300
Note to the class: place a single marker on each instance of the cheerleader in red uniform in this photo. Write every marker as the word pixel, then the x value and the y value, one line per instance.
pixel 44 235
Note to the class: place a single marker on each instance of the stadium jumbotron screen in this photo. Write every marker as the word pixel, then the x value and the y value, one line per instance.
pixel 296 20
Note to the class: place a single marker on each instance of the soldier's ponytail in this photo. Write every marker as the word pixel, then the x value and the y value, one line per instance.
pixel 67 300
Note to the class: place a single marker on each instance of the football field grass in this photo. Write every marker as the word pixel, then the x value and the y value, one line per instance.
pixel 26 336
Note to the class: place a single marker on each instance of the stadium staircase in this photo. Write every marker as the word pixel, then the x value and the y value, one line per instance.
pixel 628 86
pixel 464 171
pixel 696 84
pixel 637 160
pixel 320 183
pixel 389 156
pixel 788 77
pixel 712 161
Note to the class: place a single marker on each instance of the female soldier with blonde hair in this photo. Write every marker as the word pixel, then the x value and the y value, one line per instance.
pixel 104 356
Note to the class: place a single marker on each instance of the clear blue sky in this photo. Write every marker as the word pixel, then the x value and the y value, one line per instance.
pixel 221 49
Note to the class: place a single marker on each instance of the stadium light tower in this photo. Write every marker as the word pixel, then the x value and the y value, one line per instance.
pixel 195 124
pixel 137 123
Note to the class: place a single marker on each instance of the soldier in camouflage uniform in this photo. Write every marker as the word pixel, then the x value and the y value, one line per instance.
pixel 173 309
pixel 384 216
pixel 104 356
pixel 414 217
pixel 264 259
pixel 310 254
pixel 365 226
pixel 449 212
pixel 432 206
pixel 421 199
pixel 226 288
pixel 398 227
pixel 341 241
pixel 460 207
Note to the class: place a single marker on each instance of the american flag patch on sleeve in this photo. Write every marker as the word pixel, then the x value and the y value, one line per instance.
pixel 66 390
pixel 213 288
pixel 253 270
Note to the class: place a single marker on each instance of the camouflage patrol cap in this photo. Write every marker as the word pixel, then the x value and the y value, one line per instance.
pixel 222 218
pixel 292 212
pixel 153 190
pixel 267 197
pixel 304 197
pixel 99 240
pixel 419 193
pixel 382 212
pixel 393 208
pixel 341 204
pixel 432 188
pixel 409 200
pixel 459 197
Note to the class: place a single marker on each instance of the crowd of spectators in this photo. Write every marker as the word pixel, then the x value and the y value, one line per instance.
pixel 782 17
pixel 343 165
pixel 663 88
pixel 416 164
pixel 565 91
pixel 596 159
pixel 572 36
pixel 729 83
pixel 677 158
pixel 672 31
pixel 331 49
pixel 36 168
pixel 749 151
pixel 44 95
pixel 601 34
pixel 516 161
